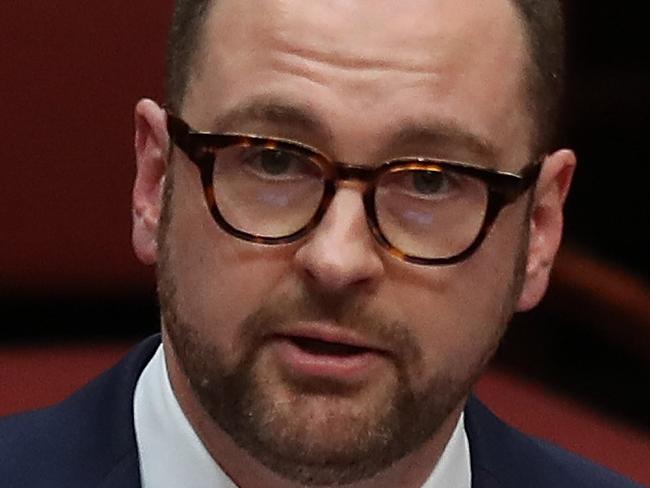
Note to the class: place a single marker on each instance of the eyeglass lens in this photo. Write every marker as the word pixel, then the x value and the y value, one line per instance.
pixel 266 192
pixel 427 213
pixel 430 213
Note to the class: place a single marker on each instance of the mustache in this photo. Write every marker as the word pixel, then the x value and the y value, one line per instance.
pixel 279 314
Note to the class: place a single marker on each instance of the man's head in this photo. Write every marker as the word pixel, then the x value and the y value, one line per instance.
pixel 329 359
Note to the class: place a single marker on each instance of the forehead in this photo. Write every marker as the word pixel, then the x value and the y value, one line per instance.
pixel 460 61
pixel 408 30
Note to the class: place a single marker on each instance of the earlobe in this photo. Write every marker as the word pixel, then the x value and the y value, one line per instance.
pixel 151 143
pixel 546 224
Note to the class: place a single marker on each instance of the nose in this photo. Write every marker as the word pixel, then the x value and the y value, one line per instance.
pixel 341 253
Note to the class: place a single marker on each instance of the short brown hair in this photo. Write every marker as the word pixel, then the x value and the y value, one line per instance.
pixel 545 30
pixel 543 19
pixel 182 47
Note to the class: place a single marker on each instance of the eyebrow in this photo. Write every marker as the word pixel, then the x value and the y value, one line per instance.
pixel 287 117
pixel 295 121
pixel 447 135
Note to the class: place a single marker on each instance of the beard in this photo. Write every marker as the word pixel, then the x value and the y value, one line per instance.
pixel 317 432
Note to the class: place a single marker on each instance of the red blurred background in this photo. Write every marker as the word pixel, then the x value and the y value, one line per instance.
pixel 72 73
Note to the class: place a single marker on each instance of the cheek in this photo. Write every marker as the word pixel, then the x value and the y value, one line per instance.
pixel 458 329
pixel 459 313
pixel 220 280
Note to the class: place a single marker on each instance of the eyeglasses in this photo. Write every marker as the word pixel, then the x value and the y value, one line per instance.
pixel 275 191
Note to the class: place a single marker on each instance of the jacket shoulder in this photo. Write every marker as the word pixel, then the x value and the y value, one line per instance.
pixel 510 458
pixel 82 441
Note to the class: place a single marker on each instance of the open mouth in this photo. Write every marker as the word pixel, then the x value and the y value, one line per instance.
pixel 326 353
pixel 325 348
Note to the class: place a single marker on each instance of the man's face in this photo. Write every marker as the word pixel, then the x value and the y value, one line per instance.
pixel 264 333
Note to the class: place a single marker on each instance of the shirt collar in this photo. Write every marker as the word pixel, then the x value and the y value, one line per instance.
pixel 172 455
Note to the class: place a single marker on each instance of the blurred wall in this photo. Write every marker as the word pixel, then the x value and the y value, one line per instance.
pixel 71 74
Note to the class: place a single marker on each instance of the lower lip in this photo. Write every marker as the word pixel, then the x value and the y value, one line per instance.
pixel 345 369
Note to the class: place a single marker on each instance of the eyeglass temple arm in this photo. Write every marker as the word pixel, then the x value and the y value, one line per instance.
pixel 178 132
pixel 523 182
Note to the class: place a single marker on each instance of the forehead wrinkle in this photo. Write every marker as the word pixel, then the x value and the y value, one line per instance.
pixel 357 62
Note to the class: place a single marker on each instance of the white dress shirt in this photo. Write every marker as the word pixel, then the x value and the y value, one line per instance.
pixel 173 456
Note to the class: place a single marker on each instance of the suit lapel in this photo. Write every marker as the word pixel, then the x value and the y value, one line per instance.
pixel 485 451
pixel 107 431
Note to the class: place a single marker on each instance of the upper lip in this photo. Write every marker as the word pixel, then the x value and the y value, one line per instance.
pixel 328 332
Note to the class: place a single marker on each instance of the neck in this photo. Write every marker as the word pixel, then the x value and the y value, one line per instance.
pixel 409 472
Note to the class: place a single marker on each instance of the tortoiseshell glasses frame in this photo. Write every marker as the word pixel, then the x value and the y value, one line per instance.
pixel 202 148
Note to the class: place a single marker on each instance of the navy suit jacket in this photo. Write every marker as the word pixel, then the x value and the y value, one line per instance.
pixel 89 441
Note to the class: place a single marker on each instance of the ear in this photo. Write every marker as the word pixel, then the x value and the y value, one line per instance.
pixel 546 222
pixel 151 146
